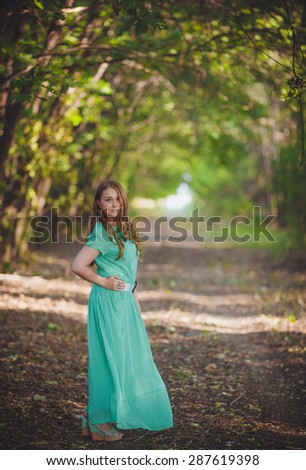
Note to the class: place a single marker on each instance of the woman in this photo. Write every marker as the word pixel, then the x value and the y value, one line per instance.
pixel 124 386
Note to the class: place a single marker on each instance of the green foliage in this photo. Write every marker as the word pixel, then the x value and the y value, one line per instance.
pixel 146 92
pixel 289 182
pixel 143 14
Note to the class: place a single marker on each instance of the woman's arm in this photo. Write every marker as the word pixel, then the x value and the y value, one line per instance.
pixel 80 266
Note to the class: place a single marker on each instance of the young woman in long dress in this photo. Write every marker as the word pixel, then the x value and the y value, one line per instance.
pixel 125 388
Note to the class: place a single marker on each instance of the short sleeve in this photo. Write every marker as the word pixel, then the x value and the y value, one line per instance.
pixel 96 240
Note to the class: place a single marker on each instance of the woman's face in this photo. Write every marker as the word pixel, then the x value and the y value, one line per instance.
pixel 110 203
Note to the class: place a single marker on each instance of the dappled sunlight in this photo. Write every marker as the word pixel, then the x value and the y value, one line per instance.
pixel 205 321
pixel 34 283
pixel 221 313
pixel 203 300
pixel 35 294
pixel 46 304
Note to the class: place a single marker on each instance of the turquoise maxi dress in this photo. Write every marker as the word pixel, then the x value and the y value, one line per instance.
pixel 124 385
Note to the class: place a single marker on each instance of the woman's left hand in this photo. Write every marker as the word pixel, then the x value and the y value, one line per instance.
pixel 114 283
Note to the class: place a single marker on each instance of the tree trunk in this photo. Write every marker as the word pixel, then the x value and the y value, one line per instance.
pixel 11 118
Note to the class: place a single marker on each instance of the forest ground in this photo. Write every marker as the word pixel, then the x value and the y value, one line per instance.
pixel 227 329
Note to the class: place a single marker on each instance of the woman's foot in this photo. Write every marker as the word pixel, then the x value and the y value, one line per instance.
pixel 104 432
pixel 106 427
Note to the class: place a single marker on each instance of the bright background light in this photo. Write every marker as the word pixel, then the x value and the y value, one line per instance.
pixel 177 203
pixel 182 198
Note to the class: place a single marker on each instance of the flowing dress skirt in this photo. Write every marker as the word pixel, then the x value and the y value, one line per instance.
pixel 124 385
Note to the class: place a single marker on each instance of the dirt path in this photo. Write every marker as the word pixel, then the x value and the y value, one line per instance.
pixel 227 329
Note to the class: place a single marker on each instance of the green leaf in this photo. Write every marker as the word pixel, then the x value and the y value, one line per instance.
pixel 54 327
pixel 40 398
pixel 291 318
pixel 38 4
pixel 141 27
pixel 13 357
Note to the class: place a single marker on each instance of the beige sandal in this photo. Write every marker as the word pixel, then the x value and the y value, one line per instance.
pixel 99 434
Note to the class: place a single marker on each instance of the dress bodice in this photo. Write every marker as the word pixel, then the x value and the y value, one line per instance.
pixel 107 264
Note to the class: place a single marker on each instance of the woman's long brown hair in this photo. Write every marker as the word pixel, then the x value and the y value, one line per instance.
pixel 124 223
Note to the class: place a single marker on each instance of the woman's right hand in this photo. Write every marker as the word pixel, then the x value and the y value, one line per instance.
pixel 113 283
